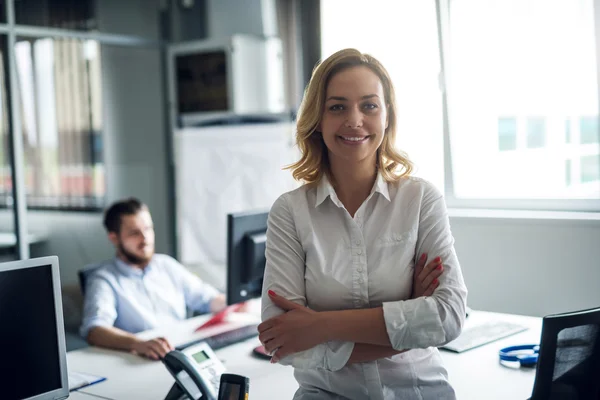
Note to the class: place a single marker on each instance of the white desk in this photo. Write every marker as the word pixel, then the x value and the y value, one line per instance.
pixel 475 374
pixel 80 396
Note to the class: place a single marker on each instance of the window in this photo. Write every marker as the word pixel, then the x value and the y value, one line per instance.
pixel 534 60
pixel 536 133
pixel 590 169
pixel 61 118
pixel 403 36
pixel 507 134
pixel 588 130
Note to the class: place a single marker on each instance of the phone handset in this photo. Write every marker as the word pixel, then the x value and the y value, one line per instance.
pixel 197 372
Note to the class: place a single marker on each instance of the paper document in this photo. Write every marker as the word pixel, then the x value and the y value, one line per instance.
pixel 77 380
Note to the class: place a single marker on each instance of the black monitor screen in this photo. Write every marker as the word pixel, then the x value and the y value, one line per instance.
pixel 246 240
pixel 29 363
pixel 202 82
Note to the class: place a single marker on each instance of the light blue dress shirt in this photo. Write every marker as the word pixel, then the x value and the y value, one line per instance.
pixel 135 300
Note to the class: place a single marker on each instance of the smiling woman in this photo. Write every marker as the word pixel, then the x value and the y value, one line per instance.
pixel 357 89
pixel 355 116
pixel 349 299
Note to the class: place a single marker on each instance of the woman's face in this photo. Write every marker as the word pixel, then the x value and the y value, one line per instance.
pixel 355 116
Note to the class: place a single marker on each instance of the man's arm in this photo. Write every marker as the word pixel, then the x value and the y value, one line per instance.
pixel 118 339
pixel 99 315
pixel 199 295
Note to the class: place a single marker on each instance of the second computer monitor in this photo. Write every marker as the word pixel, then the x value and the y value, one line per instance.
pixel 33 362
pixel 246 241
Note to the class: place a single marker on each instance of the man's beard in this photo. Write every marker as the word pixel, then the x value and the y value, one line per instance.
pixel 132 258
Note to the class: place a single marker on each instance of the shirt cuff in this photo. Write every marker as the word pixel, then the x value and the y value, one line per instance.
pixel 413 324
pixel 332 356
pixel 87 327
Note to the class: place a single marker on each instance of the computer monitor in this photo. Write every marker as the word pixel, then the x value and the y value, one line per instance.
pixel 246 242
pixel 32 335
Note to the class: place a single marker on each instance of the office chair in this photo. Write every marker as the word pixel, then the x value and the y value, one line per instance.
pixel 85 273
pixel 569 361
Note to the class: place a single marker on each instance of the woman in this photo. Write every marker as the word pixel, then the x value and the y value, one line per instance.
pixel 341 250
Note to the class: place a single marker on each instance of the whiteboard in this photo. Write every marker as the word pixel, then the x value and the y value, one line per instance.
pixel 225 169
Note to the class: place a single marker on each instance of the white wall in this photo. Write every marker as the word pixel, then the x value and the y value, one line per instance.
pixel 528 266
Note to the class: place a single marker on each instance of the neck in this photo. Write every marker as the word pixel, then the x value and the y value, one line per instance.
pixel 127 261
pixel 353 183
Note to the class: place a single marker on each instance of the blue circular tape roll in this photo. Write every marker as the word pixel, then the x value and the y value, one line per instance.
pixel 515 354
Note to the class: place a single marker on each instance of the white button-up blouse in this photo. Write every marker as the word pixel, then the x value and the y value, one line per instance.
pixel 319 256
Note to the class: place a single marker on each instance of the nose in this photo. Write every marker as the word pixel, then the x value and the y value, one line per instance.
pixel 355 118
pixel 146 234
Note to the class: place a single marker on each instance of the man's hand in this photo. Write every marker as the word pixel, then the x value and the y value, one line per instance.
pixel 154 349
pixel 425 276
pixel 296 330
pixel 218 303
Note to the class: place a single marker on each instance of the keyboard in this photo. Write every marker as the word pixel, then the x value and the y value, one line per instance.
pixel 227 338
pixel 479 335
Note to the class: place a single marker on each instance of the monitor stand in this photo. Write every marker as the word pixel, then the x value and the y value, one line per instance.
pixel 176 393
pixel 260 352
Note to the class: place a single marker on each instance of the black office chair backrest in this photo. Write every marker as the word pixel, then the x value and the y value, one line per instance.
pixel 568 367
pixel 85 273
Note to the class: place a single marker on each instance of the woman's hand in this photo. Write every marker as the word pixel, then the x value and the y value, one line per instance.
pixel 425 276
pixel 298 329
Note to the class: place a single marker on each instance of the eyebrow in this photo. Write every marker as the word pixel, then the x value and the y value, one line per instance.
pixel 340 98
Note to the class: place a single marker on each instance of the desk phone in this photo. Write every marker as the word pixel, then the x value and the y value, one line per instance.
pixel 199 374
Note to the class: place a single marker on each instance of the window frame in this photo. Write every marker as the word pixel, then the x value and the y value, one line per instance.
pixel 452 201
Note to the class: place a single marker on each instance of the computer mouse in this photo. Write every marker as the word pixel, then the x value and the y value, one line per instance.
pixel 260 352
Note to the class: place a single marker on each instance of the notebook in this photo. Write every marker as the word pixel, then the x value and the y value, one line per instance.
pixel 78 380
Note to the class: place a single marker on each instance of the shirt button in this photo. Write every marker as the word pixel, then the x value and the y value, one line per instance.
pixel 357 242
pixel 359 251
pixel 359 269
pixel 360 280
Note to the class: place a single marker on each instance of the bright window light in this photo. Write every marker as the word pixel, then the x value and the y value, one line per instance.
pixel 523 99
pixel 403 36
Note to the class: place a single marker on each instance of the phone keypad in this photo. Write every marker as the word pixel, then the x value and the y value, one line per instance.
pixel 214 377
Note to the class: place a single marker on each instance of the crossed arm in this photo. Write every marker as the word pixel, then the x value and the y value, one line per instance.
pixel 301 328
pixel 307 339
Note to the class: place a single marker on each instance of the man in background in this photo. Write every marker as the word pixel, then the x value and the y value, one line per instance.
pixel 139 289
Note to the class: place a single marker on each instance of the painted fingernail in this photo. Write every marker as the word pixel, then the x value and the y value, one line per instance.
pixel 438 259
pixel 271 293
pixel 423 257
pixel 439 267
pixel 435 281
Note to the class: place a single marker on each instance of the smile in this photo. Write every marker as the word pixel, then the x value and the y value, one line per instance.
pixel 354 139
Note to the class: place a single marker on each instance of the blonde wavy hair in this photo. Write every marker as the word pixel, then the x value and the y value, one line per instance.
pixel 314 162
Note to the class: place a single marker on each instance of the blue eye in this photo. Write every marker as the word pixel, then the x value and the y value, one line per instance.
pixel 336 107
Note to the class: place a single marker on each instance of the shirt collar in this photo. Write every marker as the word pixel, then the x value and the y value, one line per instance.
pixel 128 270
pixel 325 189
pixel 381 186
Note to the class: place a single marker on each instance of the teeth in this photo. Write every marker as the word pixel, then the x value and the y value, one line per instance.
pixel 353 139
